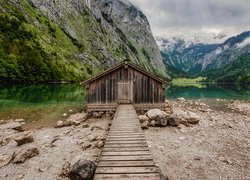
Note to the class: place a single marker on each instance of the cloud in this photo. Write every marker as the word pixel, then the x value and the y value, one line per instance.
pixel 244 43
pixel 205 20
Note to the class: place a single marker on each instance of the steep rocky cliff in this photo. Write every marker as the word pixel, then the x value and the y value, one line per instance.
pixel 133 24
pixel 44 40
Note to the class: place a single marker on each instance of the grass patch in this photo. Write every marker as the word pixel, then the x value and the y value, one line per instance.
pixel 188 80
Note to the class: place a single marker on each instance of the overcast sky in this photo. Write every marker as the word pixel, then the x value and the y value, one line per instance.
pixel 203 20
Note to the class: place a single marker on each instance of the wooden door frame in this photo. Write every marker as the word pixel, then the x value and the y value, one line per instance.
pixel 130 92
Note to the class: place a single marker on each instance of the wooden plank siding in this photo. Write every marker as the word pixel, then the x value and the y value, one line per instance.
pixel 145 89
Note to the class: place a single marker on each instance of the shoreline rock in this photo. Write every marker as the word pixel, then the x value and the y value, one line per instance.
pixel 82 170
pixel 24 155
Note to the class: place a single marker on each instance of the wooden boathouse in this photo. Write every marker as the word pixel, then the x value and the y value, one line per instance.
pixel 125 83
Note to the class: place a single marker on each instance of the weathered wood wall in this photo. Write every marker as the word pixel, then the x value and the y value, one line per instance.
pixel 145 89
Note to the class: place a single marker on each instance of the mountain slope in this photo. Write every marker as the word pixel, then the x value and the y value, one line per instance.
pixel 44 41
pixel 226 62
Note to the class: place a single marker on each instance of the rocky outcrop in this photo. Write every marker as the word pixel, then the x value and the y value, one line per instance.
pixel 119 30
pixel 133 27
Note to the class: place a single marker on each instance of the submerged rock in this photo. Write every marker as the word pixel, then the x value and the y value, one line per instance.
pixel 82 170
pixel 182 99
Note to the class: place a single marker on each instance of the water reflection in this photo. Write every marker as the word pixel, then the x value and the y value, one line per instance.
pixel 41 105
pixel 39 95
pixel 201 91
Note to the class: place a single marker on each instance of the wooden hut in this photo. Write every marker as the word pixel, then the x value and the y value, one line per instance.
pixel 125 83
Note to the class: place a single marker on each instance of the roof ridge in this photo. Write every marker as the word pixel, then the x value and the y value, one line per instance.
pixel 120 64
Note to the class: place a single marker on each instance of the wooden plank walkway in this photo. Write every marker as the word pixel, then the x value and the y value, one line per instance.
pixel 125 154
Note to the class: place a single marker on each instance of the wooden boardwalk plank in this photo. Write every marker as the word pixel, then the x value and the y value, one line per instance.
pixel 126 158
pixel 107 149
pixel 149 176
pixel 125 163
pixel 125 154
pixel 126 170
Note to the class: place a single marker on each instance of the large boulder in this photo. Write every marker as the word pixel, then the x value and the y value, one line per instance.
pixel 82 170
pixel 153 114
pixel 189 116
pixel 161 121
pixel 173 121
pixel 145 124
pixel 143 118
pixel 192 117
pixel 77 118
pixel 23 155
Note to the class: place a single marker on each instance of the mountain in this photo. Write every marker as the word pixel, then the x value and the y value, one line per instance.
pixel 216 61
pixel 47 41
pixel 182 54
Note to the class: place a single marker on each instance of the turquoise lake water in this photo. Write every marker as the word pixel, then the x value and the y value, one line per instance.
pixel 45 104
pixel 208 91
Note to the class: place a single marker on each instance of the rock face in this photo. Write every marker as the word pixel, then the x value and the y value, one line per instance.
pixel 134 26
pixel 82 170
pixel 90 34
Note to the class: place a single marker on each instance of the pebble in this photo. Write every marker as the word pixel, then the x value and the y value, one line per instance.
pixel 65 114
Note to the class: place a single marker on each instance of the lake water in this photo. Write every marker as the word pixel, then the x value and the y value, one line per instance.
pixel 43 105
pixel 208 91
